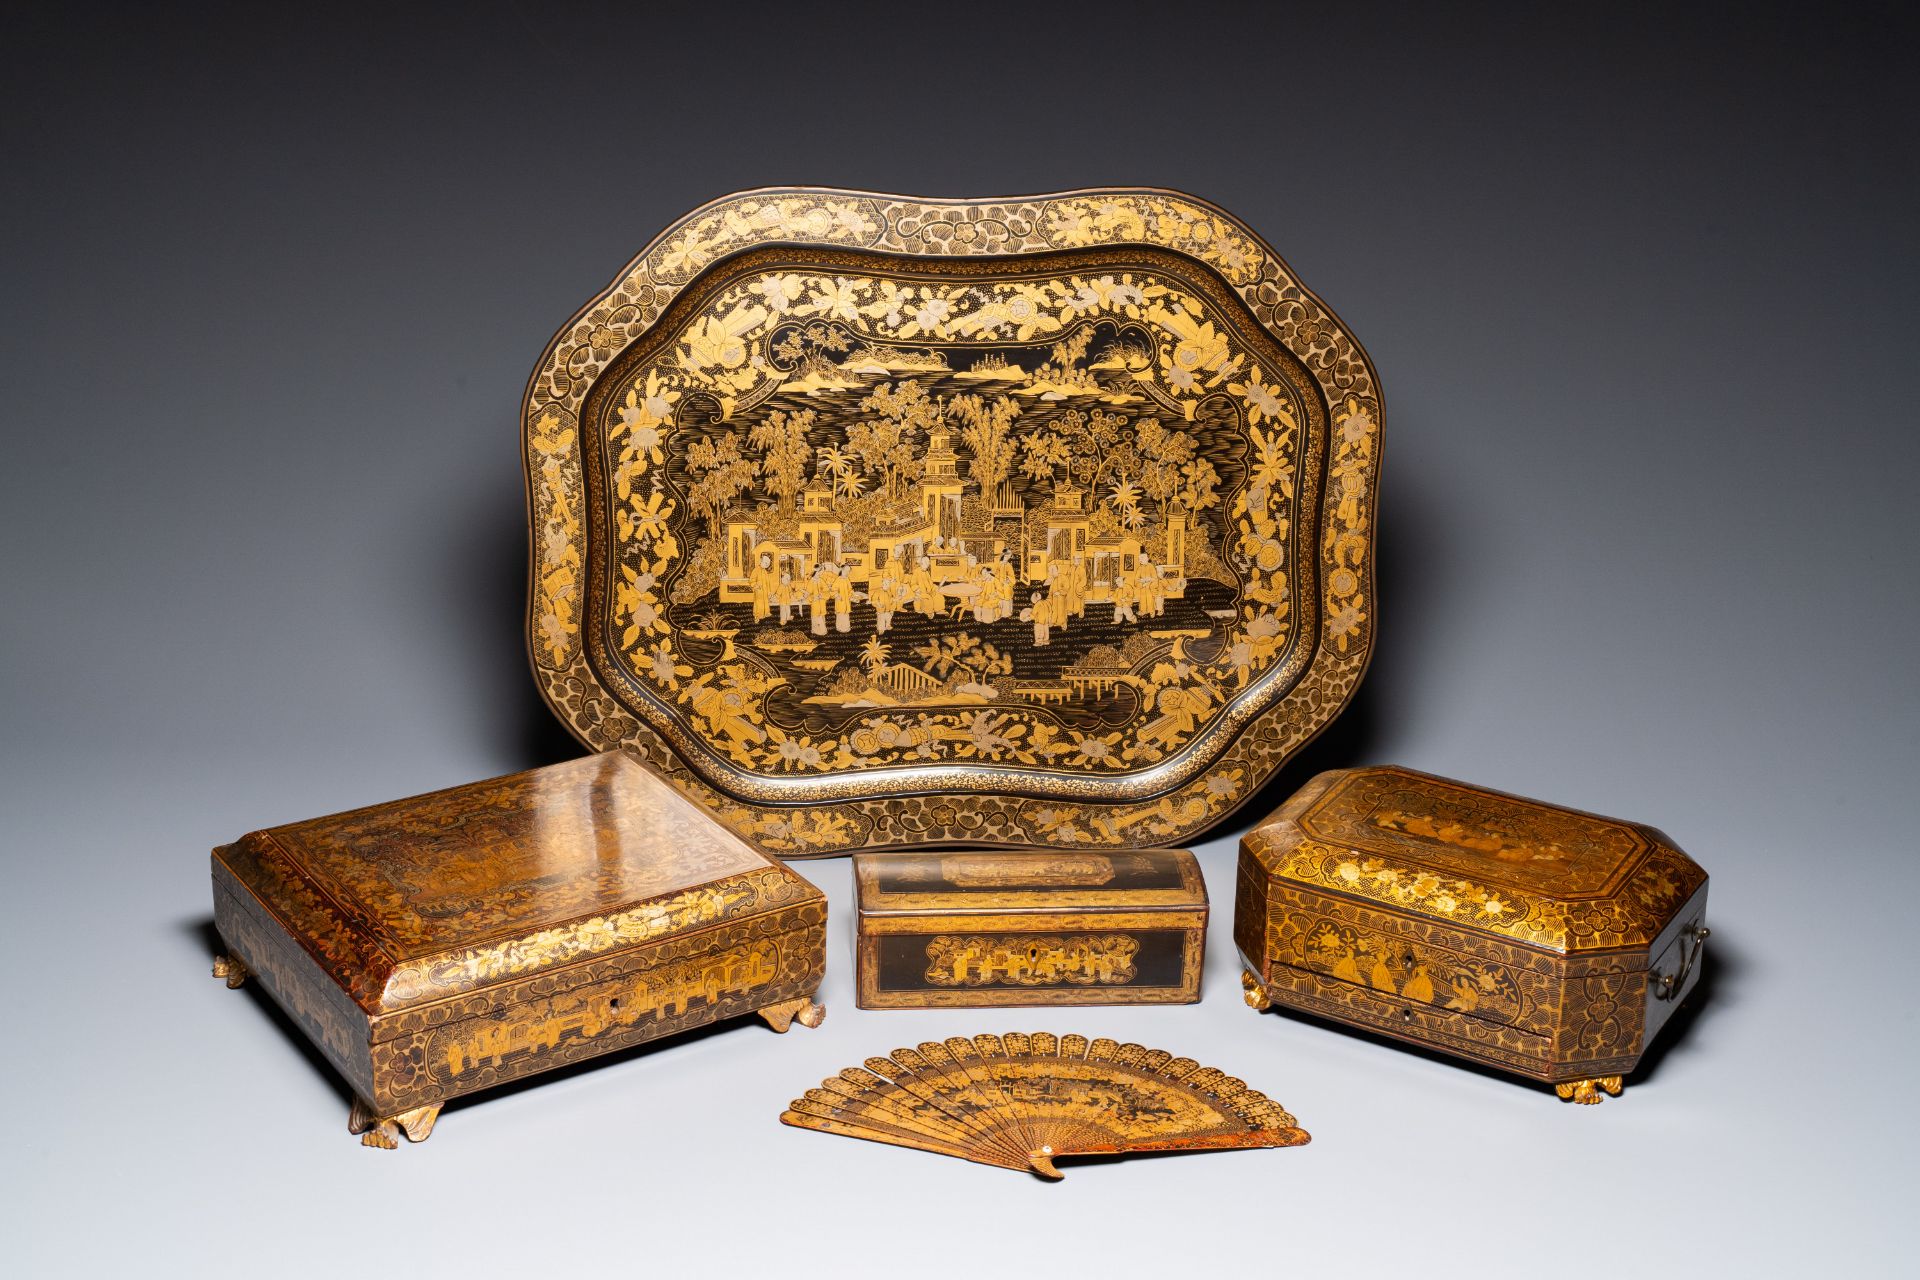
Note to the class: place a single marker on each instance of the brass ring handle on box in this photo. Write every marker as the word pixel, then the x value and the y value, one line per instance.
pixel 1667 986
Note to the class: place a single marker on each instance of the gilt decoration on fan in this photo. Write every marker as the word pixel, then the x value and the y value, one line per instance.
pixel 1020 1101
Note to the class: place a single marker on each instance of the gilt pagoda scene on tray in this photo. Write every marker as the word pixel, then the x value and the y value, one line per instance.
pixel 1058 538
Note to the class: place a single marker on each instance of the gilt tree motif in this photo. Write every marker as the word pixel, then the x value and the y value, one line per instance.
pixel 987 434
pixel 885 444
pixel 964 654
pixel 781 438
pixel 724 474
pixel 842 467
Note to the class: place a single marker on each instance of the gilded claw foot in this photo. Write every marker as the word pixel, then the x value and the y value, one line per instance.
pixel 787 1012
pixel 231 969
pixel 1255 992
pixel 1587 1092
pixel 384 1131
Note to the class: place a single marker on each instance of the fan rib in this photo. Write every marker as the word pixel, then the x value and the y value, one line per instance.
pixel 874 1095
pixel 992 1053
pixel 878 1106
pixel 809 1114
pixel 955 1081
pixel 991 1091
pixel 910 1072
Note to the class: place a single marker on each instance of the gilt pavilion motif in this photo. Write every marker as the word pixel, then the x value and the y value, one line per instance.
pixel 823 528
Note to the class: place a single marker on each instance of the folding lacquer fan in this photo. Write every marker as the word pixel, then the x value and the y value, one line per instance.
pixel 1023 1101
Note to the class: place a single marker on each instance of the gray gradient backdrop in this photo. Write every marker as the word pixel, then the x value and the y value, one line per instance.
pixel 1640 286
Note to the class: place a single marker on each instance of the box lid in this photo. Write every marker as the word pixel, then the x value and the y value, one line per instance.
pixel 1478 859
pixel 1010 883
pixel 459 890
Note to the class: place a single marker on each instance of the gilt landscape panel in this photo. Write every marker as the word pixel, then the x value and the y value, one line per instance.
pixel 870 519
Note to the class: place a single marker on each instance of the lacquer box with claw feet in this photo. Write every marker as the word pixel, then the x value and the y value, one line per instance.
pixel 1534 939
pixel 436 946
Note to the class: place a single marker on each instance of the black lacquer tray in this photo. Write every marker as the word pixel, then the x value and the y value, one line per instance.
pixel 878 521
